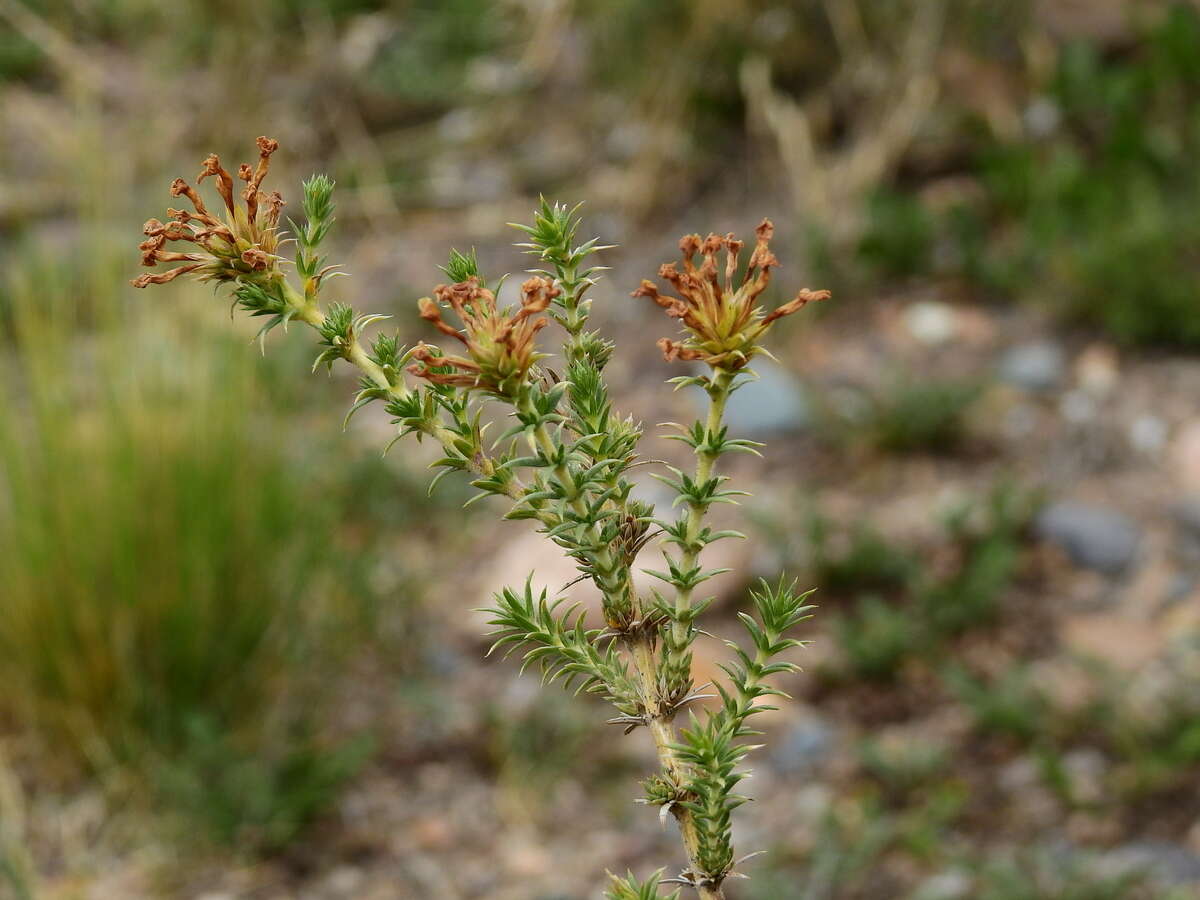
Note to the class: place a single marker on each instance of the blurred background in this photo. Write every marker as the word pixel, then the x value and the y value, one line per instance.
pixel 238 657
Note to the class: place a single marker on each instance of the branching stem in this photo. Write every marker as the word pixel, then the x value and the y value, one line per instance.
pixel 310 313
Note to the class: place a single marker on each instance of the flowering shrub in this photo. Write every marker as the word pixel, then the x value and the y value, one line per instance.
pixel 564 463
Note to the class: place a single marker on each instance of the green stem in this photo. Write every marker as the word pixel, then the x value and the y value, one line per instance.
pixel 718 393
pixel 307 311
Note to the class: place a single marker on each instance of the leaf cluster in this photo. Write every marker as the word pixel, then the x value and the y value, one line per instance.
pixel 561 645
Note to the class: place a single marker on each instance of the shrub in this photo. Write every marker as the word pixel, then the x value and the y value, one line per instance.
pixel 562 463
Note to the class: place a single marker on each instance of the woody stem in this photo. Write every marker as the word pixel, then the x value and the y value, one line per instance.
pixel 641 647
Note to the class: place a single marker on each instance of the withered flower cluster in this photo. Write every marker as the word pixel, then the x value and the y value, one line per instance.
pixel 722 324
pixel 499 343
pixel 242 245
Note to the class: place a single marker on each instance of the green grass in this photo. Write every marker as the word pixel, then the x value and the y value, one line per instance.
pixel 1009 705
pixel 922 611
pixel 919 415
pixel 1041 875
pixel 1094 216
pixel 173 601
pixel 877 637
pixel 868 562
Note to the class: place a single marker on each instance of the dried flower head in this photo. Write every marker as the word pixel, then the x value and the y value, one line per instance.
pixel 722 324
pixel 242 245
pixel 499 343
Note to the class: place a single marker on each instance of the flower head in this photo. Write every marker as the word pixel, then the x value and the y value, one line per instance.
pixel 499 343
pixel 722 325
pixel 241 245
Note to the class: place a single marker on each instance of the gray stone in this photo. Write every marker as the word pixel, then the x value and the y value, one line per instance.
pixel 931 322
pixel 802 746
pixel 1186 512
pixel 1034 366
pixel 1172 865
pixel 1148 434
pixel 1085 769
pixel 774 403
pixel 1093 536
pixel 950 884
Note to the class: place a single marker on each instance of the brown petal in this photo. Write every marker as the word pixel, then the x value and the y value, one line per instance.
pixel 537 294
pixel 673 350
pixel 689 245
pixel 256 259
pixel 801 300
pixel 428 310
pixel 212 166
pixel 146 279
pixel 179 188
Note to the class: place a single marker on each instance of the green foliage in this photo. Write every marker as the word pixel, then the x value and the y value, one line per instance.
pixel 562 646
pixel 1034 875
pixel 1092 210
pixel 1009 705
pixel 181 572
pixel 552 241
pixel 709 748
pixel 924 829
pixel 1155 735
pixel 850 839
pixel 904 766
pixel 988 537
pixel 712 746
pixel 868 562
pixel 256 797
pixel 18 873
pixel 1098 216
pixel 916 416
pixel 539 745
pixel 877 638
pixel 899 238
pixel 461 266
pixel 318 212
pixel 629 888
pixel 427 60
pixel 922 610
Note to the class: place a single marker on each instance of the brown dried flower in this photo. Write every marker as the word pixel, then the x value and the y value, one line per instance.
pixel 722 324
pixel 241 245
pixel 499 343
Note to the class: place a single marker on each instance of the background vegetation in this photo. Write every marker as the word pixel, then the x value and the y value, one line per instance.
pixel 215 606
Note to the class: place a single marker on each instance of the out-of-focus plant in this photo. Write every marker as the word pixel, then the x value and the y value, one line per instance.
pixel 902 610
pixel 904 764
pixel 1151 720
pixel 16 867
pixel 1091 207
pixel 885 78
pixel 1037 875
pixel 914 415
pixel 1008 705
pixel 877 637
pixel 563 463
pixel 166 570
pixel 867 562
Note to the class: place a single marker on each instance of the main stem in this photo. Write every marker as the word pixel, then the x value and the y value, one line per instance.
pixel 657 721
pixel 663 732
